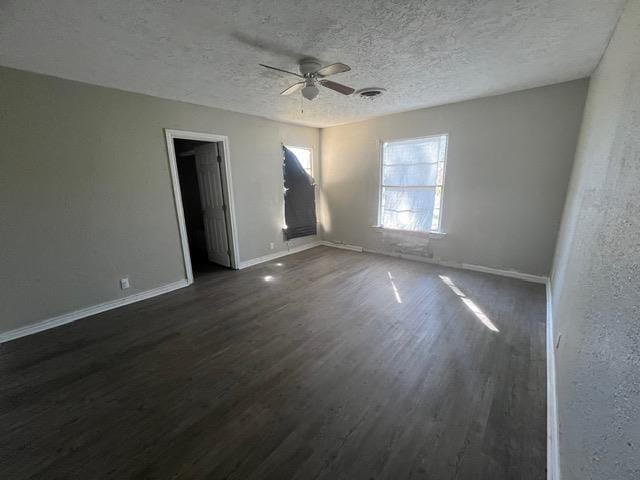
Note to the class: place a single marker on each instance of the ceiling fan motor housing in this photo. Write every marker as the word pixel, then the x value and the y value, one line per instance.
pixel 309 66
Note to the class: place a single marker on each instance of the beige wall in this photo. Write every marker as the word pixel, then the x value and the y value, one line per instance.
pixel 508 166
pixel 596 275
pixel 85 191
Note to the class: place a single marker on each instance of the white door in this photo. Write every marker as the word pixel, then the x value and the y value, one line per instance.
pixel 208 164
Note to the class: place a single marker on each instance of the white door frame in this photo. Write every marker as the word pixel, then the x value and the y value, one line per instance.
pixel 171 135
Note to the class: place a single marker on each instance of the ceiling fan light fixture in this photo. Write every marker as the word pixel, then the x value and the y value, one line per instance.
pixel 310 91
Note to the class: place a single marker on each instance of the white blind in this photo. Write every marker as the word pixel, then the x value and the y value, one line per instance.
pixel 412 183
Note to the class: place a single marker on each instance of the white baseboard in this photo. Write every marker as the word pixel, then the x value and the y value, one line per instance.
pixel 87 312
pixel 343 246
pixel 465 266
pixel 273 256
pixel 527 277
pixel 553 464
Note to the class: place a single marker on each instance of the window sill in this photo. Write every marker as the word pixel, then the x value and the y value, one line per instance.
pixel 421 233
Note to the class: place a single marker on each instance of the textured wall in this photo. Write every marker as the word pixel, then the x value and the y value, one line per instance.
pixel 86 198
pixel 508 167
pixel 596 275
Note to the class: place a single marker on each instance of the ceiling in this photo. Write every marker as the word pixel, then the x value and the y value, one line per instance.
pixel 424 52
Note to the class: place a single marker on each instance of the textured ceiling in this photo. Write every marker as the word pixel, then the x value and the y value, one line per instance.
pixel 424 52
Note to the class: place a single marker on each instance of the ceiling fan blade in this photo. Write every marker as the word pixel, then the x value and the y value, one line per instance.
pixel 294 88
pixel 333 69
pixel 280 70
pixel 338 87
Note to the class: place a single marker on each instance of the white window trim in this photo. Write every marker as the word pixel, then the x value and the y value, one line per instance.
pixel 303 148
pixel 431 233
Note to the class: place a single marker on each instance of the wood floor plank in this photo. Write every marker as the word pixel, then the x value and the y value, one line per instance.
pixel 326 364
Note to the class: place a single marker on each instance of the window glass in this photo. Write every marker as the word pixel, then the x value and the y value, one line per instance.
pixel 304 156
pixel 412 184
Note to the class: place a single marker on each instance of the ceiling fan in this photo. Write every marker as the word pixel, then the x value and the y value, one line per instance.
pixel 313 73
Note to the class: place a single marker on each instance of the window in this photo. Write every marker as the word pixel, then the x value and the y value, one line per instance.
pixel 412 183
pixel 299 197
pixel 304 156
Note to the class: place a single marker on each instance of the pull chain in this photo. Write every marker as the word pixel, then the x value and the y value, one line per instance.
pixel 301 105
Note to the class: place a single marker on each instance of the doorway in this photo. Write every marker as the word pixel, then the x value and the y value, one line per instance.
pixel 203 197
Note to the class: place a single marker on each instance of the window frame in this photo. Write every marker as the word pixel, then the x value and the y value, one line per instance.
pixel 381 144
pixel 310 149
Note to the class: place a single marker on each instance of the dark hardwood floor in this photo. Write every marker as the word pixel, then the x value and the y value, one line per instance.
pixel 326 364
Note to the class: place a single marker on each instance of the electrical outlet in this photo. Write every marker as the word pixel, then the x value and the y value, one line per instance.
pixel 272 245
pixel 124 283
